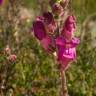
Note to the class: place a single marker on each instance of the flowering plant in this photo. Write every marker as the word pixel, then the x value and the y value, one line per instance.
pixel 63 41
pixel 56 38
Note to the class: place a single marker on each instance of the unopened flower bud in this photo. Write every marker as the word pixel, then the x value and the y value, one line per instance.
pixel 12 57
pixel 7 50
pixel 57 8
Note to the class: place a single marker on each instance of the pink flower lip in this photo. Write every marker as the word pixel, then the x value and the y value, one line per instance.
pixel 66 57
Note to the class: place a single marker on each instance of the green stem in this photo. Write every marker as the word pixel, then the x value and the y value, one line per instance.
pixel 64 91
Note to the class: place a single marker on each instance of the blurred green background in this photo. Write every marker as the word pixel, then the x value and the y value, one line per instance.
pixel 35 73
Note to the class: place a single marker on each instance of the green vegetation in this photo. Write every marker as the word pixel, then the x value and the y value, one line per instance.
pixel 35 73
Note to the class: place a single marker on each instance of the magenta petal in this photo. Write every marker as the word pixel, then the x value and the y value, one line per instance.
pixel 39 30
pixel 69 27
pixel 71 19
pixel 48 17
pixel 40 18
pixel 60 41
pixel 46 42
pixel 75 42
pixel 52 27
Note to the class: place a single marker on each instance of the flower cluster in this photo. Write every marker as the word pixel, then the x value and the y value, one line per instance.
pixel 64 42
pixel 44 27
pixel 11 57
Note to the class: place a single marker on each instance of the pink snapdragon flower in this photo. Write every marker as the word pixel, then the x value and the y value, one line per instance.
pixel 66 51
pixel 67 43
pixel 43 26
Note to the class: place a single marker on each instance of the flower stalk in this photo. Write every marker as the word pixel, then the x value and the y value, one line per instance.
pixel 64 90
pixel 58 37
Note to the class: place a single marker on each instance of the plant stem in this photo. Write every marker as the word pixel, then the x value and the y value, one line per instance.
pixel 64 91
